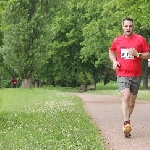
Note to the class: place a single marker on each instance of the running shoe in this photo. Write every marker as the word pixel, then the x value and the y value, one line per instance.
pixel 127 128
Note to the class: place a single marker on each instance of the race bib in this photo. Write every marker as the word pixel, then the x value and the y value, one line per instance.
pixel 125 54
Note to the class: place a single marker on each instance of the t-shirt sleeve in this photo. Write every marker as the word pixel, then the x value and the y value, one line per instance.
pixel 145 46
pixel 113 46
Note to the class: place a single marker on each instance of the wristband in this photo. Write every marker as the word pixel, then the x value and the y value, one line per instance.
pixel 139 54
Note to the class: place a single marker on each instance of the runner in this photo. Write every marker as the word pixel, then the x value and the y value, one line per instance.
pixel 128 68
pixel 14 82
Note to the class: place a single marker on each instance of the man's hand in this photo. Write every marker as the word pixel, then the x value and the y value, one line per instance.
pixel 116 65
pixel 133 52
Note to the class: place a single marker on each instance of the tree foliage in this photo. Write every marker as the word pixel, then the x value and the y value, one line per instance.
pixel 61 41
pixel 27 37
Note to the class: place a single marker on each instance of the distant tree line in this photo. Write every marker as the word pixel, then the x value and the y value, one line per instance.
pixel 64 42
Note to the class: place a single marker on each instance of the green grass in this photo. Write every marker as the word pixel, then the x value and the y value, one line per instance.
pixel 112 89
pixel 50 118
pixel 42 119
pixel 108 89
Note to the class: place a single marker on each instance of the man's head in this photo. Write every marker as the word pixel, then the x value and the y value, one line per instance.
pixel 127 26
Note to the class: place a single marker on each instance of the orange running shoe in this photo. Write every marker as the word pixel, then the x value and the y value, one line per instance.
pixel 127 129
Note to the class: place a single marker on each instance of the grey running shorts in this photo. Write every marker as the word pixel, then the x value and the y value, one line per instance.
pixel 129 82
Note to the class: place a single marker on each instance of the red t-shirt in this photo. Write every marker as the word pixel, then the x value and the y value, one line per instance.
pixel 14 81
pixel 130 66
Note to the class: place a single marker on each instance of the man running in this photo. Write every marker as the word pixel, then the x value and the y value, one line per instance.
pixel 128 67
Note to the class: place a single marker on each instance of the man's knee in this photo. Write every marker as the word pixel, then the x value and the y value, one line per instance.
pixel 126 98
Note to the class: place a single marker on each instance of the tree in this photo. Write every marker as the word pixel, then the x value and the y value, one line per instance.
pixel 95 43
pixel 27 36
pixel 66 46
pixel 113 13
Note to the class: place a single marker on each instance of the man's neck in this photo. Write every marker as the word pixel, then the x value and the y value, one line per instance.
pixel 130 36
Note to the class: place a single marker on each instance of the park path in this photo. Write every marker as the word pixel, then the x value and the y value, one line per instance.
pixel 105 111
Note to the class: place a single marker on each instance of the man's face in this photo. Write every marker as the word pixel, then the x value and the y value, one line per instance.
pixel 127 28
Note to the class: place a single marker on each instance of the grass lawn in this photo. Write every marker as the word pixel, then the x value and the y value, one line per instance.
pixel 112 89
pixel 50 118
pixel 108 89
pixel 42 119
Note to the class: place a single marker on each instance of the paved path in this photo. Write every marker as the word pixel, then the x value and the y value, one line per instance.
pixel 106 113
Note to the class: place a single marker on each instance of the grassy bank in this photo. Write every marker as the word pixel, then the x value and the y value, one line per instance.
pixel 108 89
pixel 112 89
pixel 42 119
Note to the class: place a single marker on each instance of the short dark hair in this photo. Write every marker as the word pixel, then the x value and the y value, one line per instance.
pixel 126 18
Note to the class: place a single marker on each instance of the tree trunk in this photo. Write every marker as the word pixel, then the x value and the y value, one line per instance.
pixel 94 80
pixel 27 83
pixel 74 82
pixel 145 77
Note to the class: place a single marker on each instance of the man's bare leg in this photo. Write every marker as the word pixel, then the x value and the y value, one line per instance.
pixel 125 103
pixel 126 111
pixel 132 103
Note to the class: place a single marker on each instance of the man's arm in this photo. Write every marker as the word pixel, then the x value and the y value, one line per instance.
pixel 112 57
pixel 134 52
pixel 145 55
